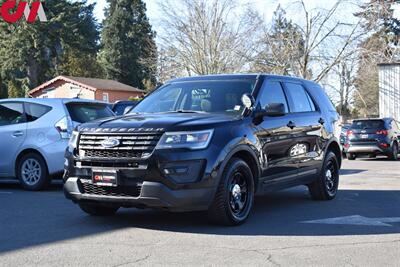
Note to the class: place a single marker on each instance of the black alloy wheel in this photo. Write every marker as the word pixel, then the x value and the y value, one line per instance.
pixel 235 194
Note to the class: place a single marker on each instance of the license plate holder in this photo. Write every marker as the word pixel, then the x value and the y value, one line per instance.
pixel 105 177
pixel 364 136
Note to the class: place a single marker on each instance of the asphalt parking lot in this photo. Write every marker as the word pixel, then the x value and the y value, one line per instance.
pixel 361 227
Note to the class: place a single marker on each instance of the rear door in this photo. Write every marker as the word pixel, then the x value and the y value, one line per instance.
pixel 12 134
pixel 308 129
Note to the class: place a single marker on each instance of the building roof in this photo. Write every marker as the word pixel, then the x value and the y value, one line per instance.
pixel 92 84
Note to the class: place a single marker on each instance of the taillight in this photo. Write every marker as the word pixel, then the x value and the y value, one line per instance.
pixel 64 127
pixel 384 145
pixel 382 132
pixel 349 133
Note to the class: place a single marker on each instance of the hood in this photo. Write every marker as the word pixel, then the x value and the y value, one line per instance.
pixel 160 122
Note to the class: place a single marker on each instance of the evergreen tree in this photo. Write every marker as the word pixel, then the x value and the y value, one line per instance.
pixel 34 53
pixel 282 47
pixel 128 52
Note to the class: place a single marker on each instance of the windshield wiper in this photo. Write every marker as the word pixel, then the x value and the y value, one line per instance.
pixel 185 111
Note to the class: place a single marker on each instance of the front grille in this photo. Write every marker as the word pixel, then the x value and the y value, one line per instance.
pixel 132 145
pixel 119 191
pixel 111 154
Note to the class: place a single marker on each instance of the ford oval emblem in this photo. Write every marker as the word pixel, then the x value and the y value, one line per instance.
pixel 110 142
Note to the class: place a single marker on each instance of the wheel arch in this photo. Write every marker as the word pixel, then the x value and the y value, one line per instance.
pixel 25 152
pixel 335 148
pixel 247 154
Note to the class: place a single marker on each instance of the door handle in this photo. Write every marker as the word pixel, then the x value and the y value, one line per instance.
pixel 321 121
pixel 18 133
pixel 291 124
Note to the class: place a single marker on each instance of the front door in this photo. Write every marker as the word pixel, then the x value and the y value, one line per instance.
pixel 275 137
pixel 12 135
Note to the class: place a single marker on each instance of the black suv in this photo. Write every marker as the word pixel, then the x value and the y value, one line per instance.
pixel 372 137
pixel 208 143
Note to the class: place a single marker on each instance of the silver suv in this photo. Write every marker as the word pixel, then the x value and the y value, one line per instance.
pixel 34 134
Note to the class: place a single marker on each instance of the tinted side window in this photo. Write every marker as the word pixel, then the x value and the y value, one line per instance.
pixel 273 93
pixel 11 113
pixel 300 99
pixel 35 111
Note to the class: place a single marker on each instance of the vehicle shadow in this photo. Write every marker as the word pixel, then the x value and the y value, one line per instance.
pixel 31 219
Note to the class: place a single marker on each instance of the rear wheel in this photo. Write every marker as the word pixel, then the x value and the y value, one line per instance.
pixel 395 152
pixel 326 186
pixel 97 209
pixel 235 194
pixel 32 172
pixel 351 156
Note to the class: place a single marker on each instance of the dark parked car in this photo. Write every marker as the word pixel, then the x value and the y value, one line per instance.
pixel 343 133
pixel 208 143
pixel 373 137
pixel 122 107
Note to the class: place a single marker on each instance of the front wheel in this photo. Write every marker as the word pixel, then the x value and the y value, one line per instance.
pixel 326 186
pixel 235 194
pixel 97 209
pixel 32 172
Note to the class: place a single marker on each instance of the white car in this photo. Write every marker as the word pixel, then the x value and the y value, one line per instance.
pixel 34 134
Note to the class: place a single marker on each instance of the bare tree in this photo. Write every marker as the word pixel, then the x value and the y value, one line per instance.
pixel 209 37
pixel 328 40
pixel 324 42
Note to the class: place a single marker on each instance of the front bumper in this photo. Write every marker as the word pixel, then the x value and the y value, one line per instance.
pixel 152 195
pixel 178 180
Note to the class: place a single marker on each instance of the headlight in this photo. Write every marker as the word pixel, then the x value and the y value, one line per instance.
pixel 191 140
pixel 73 141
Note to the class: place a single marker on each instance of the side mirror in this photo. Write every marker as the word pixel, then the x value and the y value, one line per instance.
pixel 273 110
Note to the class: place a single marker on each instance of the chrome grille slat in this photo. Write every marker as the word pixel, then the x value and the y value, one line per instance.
pixel 132 145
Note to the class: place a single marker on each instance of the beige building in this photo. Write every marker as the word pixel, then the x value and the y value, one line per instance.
pixel 85 88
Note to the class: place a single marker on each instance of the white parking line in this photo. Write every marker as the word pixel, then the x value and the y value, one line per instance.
pixel 5 192
pixel 357 220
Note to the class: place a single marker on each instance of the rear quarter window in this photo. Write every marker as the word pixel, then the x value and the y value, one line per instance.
pixel 85 112
pixel 36 111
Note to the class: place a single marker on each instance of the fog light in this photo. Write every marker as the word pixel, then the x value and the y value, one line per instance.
pixel 183 171
pixel 176 170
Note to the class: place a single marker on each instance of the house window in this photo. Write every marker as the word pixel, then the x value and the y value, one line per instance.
pixel 105 97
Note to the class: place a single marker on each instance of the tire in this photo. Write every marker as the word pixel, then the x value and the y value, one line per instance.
pixel 351 156
pixel 32 172
pixel 235 195
pixel 394 153
pixel 97 209
pixel 326 186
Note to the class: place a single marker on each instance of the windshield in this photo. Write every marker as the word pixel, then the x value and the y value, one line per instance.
pixel 368 124
pixel 197 96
